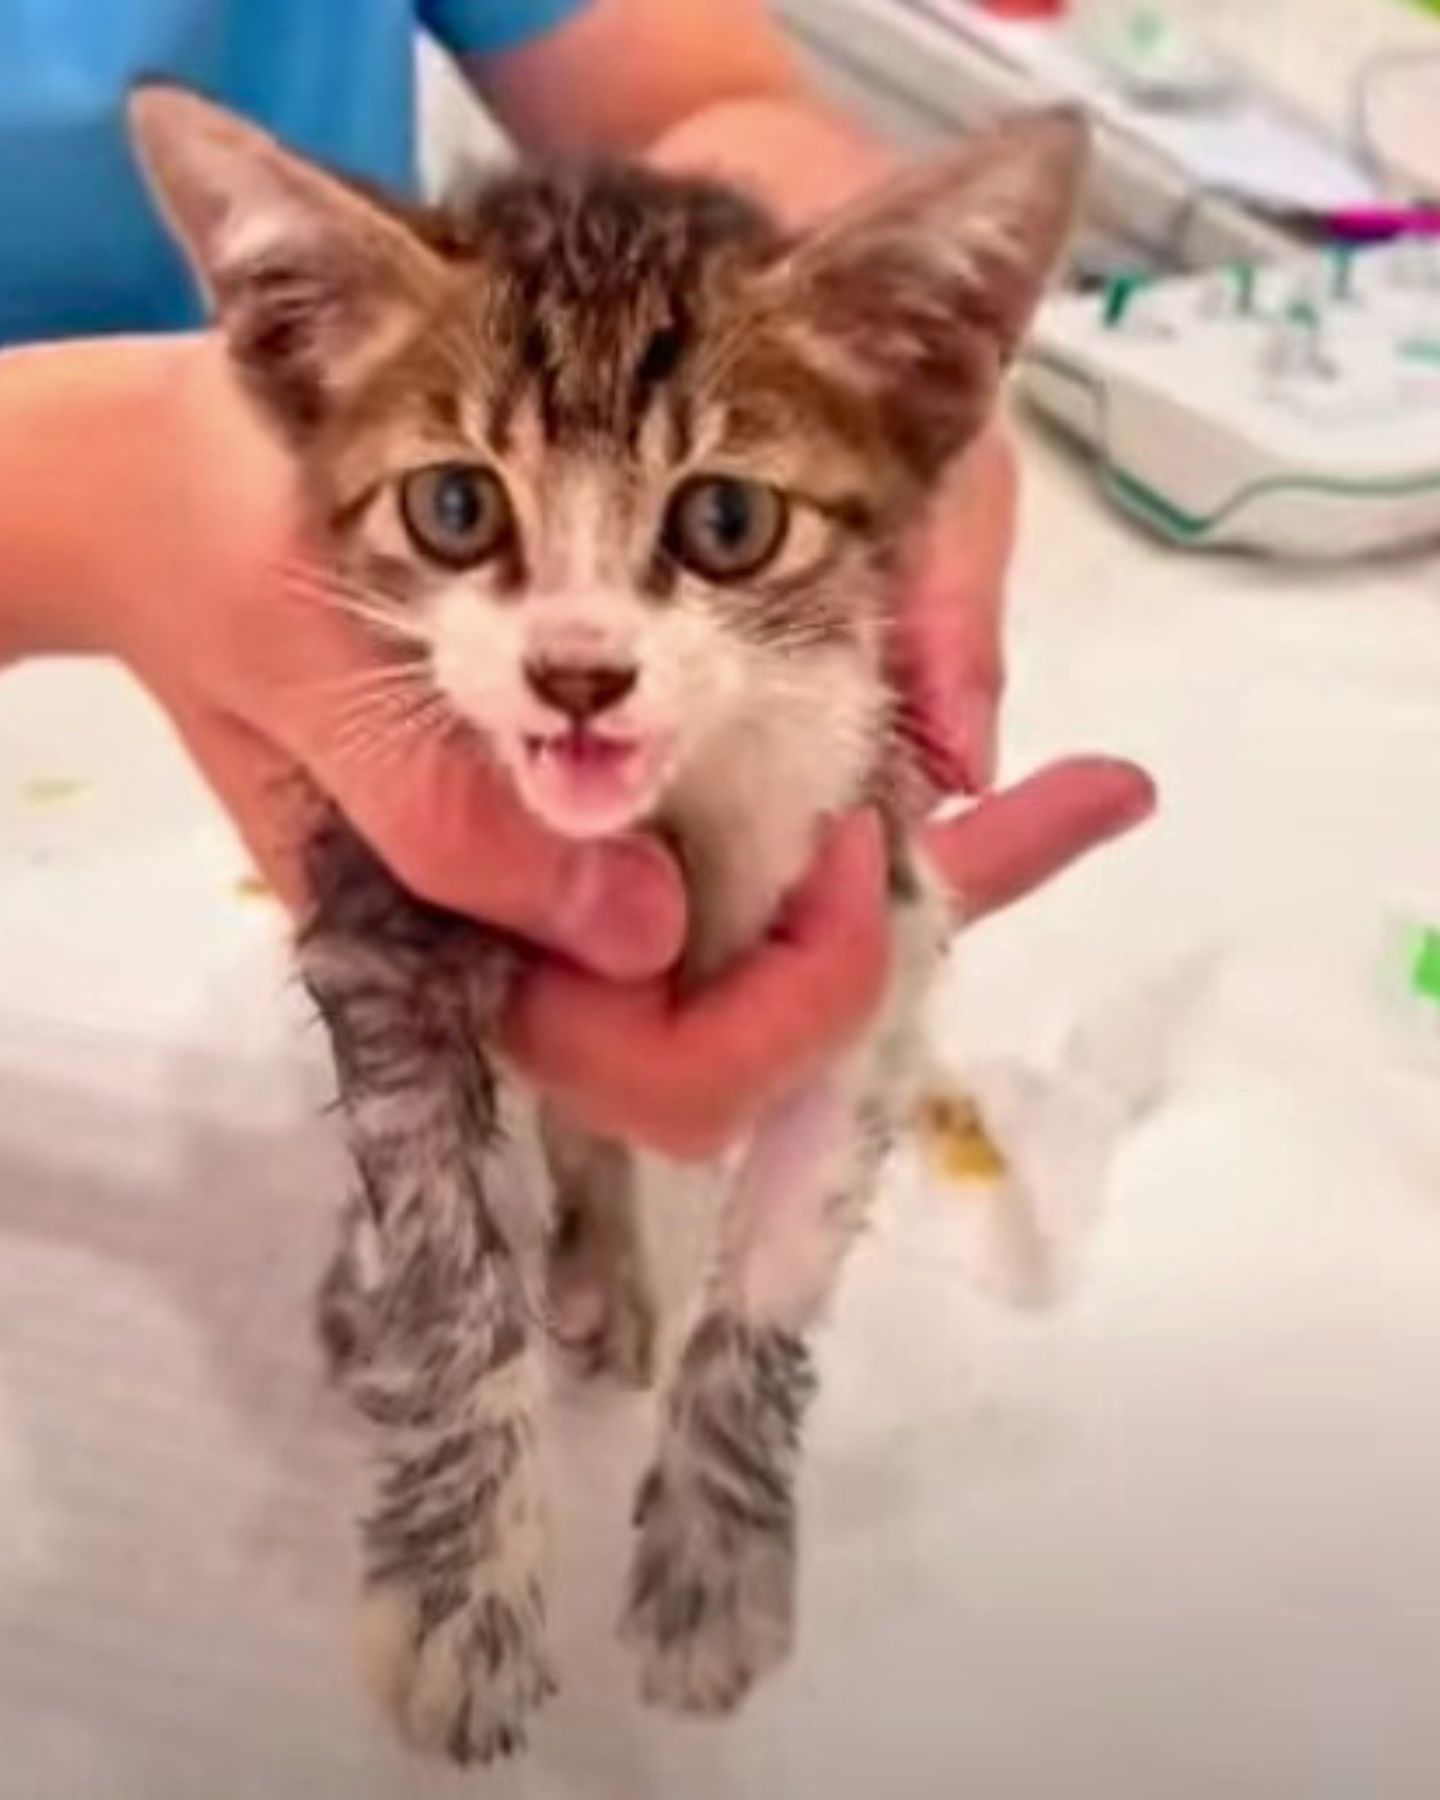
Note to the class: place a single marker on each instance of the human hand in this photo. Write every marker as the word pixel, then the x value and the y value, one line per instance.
pixel 271 688
pixel 266 682
pixel 136 488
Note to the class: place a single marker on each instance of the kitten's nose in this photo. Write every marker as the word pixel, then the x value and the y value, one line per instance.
pixel 580 690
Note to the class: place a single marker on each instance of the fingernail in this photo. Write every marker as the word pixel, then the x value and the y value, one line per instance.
pixel 1133 797
pixel 1141 805
pixel 622 909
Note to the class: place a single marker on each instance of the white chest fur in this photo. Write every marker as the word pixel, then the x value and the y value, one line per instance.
pixel 746 816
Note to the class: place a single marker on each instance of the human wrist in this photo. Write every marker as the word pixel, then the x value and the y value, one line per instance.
pixel 37 588
pixel 81 427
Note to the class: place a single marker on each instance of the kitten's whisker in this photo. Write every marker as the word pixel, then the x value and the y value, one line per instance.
pixel 369 722
pixel 376 705
pixel 392 625
pixel 397 677
pixel 388 712
pixel 352 740
pixel 315 591
pixel 305 580
pixel 802 623
pixel 383 685
pixel 374 755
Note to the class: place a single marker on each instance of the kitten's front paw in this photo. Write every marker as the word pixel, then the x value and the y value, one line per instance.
pixel 711 1606
pixel 600 1307
pixel 464 1682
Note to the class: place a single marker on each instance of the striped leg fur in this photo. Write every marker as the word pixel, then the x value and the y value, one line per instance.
pixel 424 1315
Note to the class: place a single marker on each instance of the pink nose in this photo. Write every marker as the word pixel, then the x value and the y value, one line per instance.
pixel 582 691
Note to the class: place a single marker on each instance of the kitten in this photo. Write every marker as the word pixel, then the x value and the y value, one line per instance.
pixel 622 473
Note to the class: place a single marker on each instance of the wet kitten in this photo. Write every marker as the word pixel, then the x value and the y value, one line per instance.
pixel 623 472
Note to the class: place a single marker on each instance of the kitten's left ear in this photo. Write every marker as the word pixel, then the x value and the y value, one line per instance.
pixel 920 293
pixel 312 282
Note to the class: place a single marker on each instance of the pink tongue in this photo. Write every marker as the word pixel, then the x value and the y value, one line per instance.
pixel 589 761
pixel 586 751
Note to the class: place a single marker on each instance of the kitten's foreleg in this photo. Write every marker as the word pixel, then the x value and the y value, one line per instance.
pixel 426 1319
pixel 711 1602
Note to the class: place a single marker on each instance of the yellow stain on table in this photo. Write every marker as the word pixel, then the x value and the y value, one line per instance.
pixel 252 887
pixel 953 1137
pixel 47 793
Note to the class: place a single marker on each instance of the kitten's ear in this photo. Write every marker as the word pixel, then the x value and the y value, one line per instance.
pixel 312 283
pixel 920 293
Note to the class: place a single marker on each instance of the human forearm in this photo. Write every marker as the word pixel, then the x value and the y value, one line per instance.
pixel 620 73
pixel 37 553
pixel 699 85
pixel 133 478
pixel 79 427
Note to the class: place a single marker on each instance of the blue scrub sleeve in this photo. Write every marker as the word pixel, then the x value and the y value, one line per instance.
pixel 470 27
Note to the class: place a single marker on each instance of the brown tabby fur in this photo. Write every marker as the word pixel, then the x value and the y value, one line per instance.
pixel 595 337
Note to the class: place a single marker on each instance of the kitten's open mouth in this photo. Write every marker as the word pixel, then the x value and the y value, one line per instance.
pixel 587 752
pixel 587 782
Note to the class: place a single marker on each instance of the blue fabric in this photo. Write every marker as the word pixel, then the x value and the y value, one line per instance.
pixel 80 248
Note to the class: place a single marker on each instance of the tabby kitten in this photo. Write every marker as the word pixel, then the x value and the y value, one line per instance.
pixel 619 472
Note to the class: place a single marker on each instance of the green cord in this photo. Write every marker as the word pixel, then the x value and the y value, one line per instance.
pixel 1183 527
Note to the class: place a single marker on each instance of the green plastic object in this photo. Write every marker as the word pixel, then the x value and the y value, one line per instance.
pixel 1147 29
pixel 1425 964
pixel 1342 272
pixel 1120 290
pixel 1301 311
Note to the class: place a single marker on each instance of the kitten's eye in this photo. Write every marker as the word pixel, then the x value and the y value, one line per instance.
pixel 455 513
pixel 725 528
